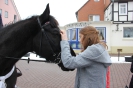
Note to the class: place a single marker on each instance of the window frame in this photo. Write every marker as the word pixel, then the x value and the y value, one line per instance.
pixel 122 8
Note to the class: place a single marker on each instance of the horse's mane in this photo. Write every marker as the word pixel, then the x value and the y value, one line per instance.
pixel 52 20
pixel 23 23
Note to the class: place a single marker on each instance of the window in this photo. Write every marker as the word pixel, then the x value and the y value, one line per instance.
pixel 96 0
pixel 78 33
pixel 127 32
pixel 73 45
pixel 94 18
pixel 6 2
pixel 15 18
pixel 68 34
pixel 6 14
pixel 101 32
pixel 73 34
pixel 79 46
pixel 123 8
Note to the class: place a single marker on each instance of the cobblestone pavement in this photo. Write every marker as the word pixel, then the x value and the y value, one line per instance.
pixel 48 75
pixel 44 75
pixel 120 75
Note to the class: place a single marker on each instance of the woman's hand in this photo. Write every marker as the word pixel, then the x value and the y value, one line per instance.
pixel 63 34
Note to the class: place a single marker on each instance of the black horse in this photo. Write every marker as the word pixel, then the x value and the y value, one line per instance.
pixel 39 34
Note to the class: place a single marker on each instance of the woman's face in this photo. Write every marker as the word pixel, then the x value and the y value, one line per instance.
pixel 81 36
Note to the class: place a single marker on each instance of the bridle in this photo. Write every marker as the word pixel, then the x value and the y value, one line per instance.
pixel 57 56
pixel 50 42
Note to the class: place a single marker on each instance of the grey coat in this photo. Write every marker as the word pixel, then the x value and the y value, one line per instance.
pixel 91 65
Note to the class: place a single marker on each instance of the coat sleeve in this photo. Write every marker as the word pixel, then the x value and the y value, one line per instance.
pixel 70 61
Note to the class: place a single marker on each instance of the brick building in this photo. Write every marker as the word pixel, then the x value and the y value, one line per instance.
pixel 92 10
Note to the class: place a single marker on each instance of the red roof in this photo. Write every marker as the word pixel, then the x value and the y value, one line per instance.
pixel 82 7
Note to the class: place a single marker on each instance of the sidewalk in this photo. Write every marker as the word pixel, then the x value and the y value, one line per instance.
pixel 119 74
pixel 46 75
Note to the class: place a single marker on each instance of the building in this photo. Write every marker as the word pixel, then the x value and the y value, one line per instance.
pixel 115 24
pixel 120 12
pixel 92 10
pixel 8 11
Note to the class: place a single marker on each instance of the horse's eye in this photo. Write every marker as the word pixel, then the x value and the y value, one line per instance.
pixel 47 23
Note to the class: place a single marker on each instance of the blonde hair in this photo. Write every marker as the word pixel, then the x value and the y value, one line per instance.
pixel 90 37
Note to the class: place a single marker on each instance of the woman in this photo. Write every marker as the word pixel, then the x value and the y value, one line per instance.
pixel 91 63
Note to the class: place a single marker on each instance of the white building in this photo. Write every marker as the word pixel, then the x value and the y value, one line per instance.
pixel 116 30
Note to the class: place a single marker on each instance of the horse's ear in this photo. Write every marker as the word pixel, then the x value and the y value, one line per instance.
pixel 45 15
pixel 47 10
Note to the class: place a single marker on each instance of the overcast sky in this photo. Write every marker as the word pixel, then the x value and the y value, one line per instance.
pixel 62 10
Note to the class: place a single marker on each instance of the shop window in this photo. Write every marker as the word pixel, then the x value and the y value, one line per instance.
pixel 73 34
pixel 79 46
pixel 102 32
pixel 15 18
pixel 73 45
pixel 78 33
pixel 68 34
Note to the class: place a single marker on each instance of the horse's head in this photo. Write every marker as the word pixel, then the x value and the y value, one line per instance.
pixel 47 42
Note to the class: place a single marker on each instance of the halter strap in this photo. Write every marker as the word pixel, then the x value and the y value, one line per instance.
pixel 3 78
pixel 43 31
